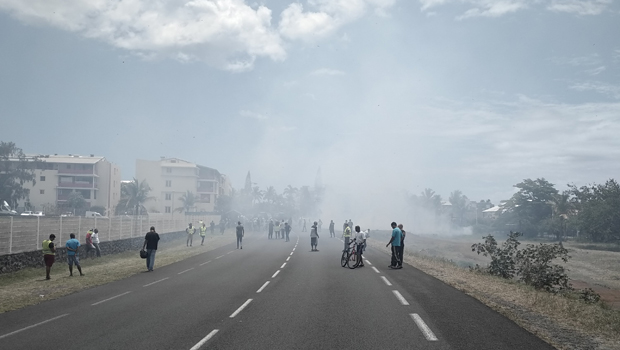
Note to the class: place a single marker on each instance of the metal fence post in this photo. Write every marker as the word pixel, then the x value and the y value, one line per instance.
pixel 120 231
pixel 79 226
pixel 60 231
pixel 11 238
pixel 109 229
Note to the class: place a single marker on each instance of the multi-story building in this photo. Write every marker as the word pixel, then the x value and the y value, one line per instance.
pixel 57 176
pixel 172 178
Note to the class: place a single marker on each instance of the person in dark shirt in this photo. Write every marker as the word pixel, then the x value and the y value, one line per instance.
pixel 240 233
pixel 49 252
pixel 150 244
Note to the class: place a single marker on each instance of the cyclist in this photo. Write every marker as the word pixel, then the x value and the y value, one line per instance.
pixel 360 239
pixel 346 235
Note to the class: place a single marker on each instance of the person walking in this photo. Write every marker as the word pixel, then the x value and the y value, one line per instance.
pixel 203 233
pixel 270 236
pixel 360 239
pixel 277 229
pixel 49 254
pixel 212 226
pixel 89 243
pixel 347 237
pixel 304 227
pixel 314 237
pixel 150 244
pixel 95 239
pixel 73 254
pixel 332 234
pixel 240 234
pixel 190 234
pixel 320 225
pixel 222 226
pixel 287 230
pixel 401 250
pixel 396 262
pixel 345 225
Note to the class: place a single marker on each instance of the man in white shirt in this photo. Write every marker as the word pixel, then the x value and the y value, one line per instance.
pixel 95 238
pixel 360 238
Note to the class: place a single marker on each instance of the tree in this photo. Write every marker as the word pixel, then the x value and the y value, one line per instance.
pixel 257 194
pixel 599 211
pixel 76 202
pixel 532 204
pixel 270 194
pixel 459 205
pixel 189 202
pixel 16 170
pixel 133 196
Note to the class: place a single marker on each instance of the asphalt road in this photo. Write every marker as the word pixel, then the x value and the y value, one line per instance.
pixel 270 295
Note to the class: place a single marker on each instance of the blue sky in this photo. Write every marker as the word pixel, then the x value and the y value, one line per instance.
pixel 386 96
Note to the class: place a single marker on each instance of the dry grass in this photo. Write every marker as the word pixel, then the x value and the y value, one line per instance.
pixel 29 287
pixel 563 321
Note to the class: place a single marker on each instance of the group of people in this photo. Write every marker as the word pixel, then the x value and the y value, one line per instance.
pixel 73 253
pixel 281 228
pixel 397 241
pixel 202 229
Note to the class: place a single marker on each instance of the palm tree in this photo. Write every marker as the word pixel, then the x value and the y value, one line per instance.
pixel 270 194
pixel 459 204
pixel 257 194
pixel 562 207
pixel 189 201
pixel 134 194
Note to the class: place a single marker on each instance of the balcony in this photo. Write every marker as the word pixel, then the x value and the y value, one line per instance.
pixel 76 172
pixel 75 185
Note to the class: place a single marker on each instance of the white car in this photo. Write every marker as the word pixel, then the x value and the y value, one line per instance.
pixel 32 213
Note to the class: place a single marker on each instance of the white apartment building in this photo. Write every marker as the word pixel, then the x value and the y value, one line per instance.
pixel 171 178
pixel 98 180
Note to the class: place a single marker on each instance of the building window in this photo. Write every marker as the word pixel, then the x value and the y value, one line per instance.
pixel 94 194
pixel 167 210
pixel 168 196
pixel 42 178
pixel 168 183
pixel 41 191
pixel 168 170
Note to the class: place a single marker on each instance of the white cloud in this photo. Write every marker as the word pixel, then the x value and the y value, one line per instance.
pixel 596 71
pixel 327 71
pixel 600 87
pixel 580 7
pixel 253 115
pixel 227 33
pixel 493 9
pixel 328 16
pixel 592 59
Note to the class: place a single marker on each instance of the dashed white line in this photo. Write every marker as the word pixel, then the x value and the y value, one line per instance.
pixel 152 283
pixel 32 326
pixel 221 256
pixel 376 270
pixel 400 297
pixel 283 265
pixel 368 262
pixel 230 252
pixel 204 340
pixel 291 253
pixel 182 272
pixel 204 263
pixel 289 258
pixel 263 287
pixel 114 297
pixel 240 308
pixel 294 249
pixel 275 274
pixel 428 334
pixel 386 281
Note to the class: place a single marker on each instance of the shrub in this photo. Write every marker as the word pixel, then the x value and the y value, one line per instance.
pixel 589 296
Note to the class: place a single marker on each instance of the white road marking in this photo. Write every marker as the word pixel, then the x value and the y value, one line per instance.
pixel 283 265
pixel 182 272
pixel 294 248
pixel 221 256
pixel 204 263
pixel 428 334
pixel 240 308
pixel 291 253
pixel 152 283
pixel 204 340
pixel 376 270
pixel 263 287
pixel 32 326
pixel 103 301
pixel 232 251
pixel 400 297
pixel 289 258
pixel 368 262
pixel 275 274
pixel 386 281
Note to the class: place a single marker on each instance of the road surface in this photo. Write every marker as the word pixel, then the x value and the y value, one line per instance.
pixel 269 295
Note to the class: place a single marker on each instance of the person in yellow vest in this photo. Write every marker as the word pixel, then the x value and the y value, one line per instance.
pixel 190 234
pixel 49 252
pixel 203 233
pixel 347 236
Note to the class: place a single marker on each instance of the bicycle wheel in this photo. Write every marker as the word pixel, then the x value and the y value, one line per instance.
pixel 344 259
pixel 353 259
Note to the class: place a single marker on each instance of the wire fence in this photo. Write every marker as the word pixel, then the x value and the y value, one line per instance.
pixel 23 234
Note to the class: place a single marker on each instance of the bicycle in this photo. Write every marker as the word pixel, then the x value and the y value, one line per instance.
pixel 351 258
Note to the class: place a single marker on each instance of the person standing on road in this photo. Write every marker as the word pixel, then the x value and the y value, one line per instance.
pixel 401 252
pixel 304 228
pixel 395 241
pixel 345 225
pixel 287 230
pixel 150 244
pixel 190 234
pixel 332 234
pixel 347 236
pixel 49 253
pixel 360 238
pixel 240 234
pixel 203 233
pixel 314 237
pixel 222 226
pixel 72 254
pixel 95 239
pixel 277 229
pixel 270 236
pixel 320 225
pixel 212 226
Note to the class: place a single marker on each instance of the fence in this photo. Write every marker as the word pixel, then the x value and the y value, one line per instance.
pixel 23 234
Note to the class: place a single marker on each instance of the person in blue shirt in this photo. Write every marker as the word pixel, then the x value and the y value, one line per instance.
pixel 72 254
pixel 397 262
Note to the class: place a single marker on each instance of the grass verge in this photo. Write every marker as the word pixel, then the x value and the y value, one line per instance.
pixel 28 286
pixel 565 322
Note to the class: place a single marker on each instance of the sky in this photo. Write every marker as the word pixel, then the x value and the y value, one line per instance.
pixel 386 97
